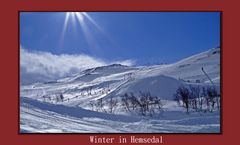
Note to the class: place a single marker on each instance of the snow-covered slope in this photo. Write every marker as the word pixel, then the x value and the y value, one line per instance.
pixel 49 118
pixel 114 81
pixel 190 69
pixel 160 85
pixel 161 80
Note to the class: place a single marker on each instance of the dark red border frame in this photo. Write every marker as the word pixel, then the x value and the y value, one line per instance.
pixel 9 62
pixel 221 114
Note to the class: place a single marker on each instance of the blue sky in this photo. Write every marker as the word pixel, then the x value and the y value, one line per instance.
pixel 145 37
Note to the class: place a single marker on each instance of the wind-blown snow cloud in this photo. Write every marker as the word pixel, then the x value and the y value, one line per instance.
pixel 36 66
pixel 128 62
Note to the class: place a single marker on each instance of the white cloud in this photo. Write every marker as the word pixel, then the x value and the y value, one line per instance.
pixel 128 62
pixel 36 66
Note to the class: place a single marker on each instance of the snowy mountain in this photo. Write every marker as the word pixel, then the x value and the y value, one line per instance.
pixel 64 105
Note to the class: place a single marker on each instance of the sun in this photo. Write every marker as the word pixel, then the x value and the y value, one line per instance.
pixel 79 16
pixel 73 15
pixel 86 23
pixel 76 15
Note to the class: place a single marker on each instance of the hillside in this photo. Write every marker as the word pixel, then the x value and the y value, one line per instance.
pixel 75 93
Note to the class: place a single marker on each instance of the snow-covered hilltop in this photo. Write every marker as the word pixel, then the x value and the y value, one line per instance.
pixel 78 103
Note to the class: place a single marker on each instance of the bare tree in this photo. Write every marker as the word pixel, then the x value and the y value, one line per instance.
pixel 100 105
pixel 143 99
pixel 92 104
pixel 196 98
pixel 149 104
pixel 212 97
pixel 195 95
pixel 155 105
pixel 158 102
pixel 125 101
pixel 112 104
pixel 134 103
pixel 183 94
pixel 61 97
pixel 143 103
pixel 203 98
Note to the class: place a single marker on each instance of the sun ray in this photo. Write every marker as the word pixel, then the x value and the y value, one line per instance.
pixel 93 22
pixel 99 28
pixel 65 23
pixel 81 18
pixel 64 29
pixel 92 43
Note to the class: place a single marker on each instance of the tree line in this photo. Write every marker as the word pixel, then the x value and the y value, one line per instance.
pixel 200 99
pixel 142 103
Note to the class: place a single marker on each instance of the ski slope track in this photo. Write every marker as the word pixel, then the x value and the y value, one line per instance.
pixel 42 112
